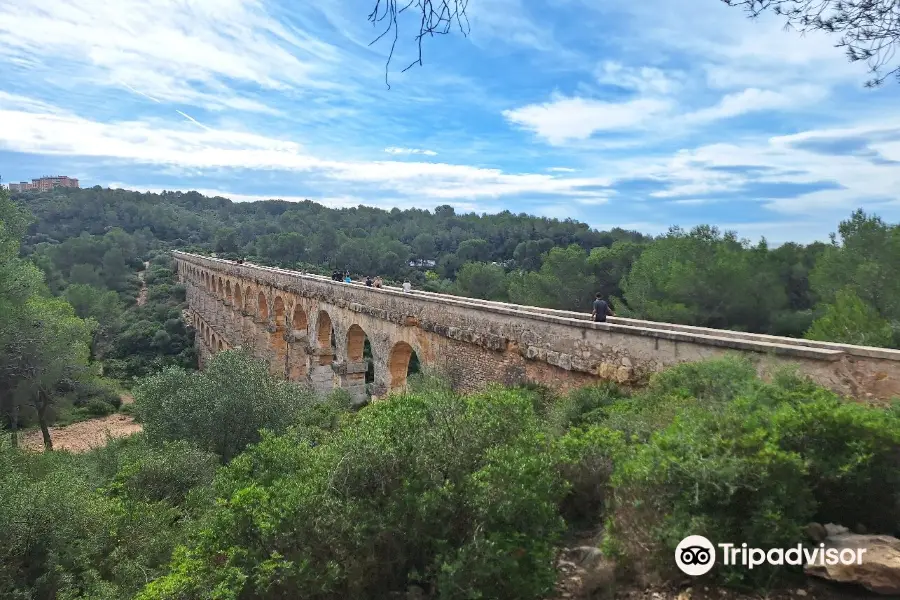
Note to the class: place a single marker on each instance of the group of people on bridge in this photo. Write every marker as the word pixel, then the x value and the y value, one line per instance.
pixel 375 282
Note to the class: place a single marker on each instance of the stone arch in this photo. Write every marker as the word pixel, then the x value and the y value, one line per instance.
pixel 228 290
pixel 279 313
pixel 262 307
pixel 238 298
pixel 356 340
pixel 221 346
pixel 299 322
pixel 325 338
pixel 398 365
pixel 221 289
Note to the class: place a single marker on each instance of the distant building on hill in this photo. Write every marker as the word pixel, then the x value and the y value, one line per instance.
pixel 44 184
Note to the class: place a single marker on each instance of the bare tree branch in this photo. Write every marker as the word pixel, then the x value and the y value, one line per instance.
pixel 437 18
pixel 869 29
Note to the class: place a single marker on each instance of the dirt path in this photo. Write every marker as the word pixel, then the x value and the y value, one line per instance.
pixel 142 296
pixel 85 435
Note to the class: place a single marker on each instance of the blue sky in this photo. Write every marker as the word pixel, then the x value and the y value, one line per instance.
pixel 617 113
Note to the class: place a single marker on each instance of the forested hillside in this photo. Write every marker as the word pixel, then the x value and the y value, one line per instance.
pixel 845 290
pixel 243 485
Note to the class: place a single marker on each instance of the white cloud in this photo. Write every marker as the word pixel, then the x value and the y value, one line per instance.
pixel 170 50
pixel 646 80
pixel 751 100
pixel 156 144
pixel 564 119
pixel 395 150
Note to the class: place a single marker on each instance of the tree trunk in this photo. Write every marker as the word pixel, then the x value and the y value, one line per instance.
pixel 43 402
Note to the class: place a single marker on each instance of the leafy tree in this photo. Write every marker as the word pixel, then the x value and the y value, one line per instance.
pixel 704 278
pixel 475 250
pixel 423 246
pixel 482 280
pixel 564 281
pixel 851 321
pixel 226 240
pixel 866 261
pixel 50 356
pixel 221 409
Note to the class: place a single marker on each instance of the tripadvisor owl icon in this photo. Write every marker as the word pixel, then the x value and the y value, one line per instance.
pixel 695 555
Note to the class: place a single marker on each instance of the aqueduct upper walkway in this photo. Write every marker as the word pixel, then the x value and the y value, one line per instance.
pixel 313 329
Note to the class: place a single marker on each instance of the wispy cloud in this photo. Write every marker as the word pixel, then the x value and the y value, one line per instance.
pixel 395 150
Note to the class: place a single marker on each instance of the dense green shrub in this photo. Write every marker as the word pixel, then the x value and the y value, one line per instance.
pixel 457 495
pixel 167 472
pixel 95 407
pixel 223 408
pixel 755 469
pixel 63 537
pixel 587 459
pixel 584 406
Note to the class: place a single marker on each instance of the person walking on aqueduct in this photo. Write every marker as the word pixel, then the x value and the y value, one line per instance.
pixel 601 309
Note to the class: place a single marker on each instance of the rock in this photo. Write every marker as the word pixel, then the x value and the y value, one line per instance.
pixel 878 571
pixel 860 529
pixel 833 529
pixel 586 555
pixel 684 595
pixel 816 532
pixel 801 592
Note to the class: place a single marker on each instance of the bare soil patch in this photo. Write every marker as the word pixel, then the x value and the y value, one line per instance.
pixel 85 435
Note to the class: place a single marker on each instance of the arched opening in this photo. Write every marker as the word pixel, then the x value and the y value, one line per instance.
pixel 228 291
pixel 262 309
pixel 299 323
pixel 221 346
pixel 238 299
pixel 356 341
pixel 359 350
pixel 221 289
pixel 325 338
pixel 402 363
pixel 278 307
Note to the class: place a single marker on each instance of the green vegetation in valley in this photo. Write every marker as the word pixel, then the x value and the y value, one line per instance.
pixel 462 496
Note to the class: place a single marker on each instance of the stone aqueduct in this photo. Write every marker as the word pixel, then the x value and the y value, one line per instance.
pixel 312 329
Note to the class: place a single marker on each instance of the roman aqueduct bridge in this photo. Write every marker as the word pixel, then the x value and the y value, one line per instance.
pixel 313 329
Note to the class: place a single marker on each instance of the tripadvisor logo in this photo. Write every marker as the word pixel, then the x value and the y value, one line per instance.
pixel 695 555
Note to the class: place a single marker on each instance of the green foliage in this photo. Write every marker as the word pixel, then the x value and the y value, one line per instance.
pixel 222 409
pixel 705 278
pixel 482 280
pixel 460 493
pixel 735 459
pixel 169 472
pixel 851 321
pixel 81 527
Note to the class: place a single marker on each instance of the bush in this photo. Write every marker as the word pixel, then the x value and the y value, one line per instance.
pixel 722 476
pixel 94 389
pixel 168 472
pixel 98 408
pixel 223 408
pixel 456 495
pixel 755 470
pixel 587 461
pixel 584 406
